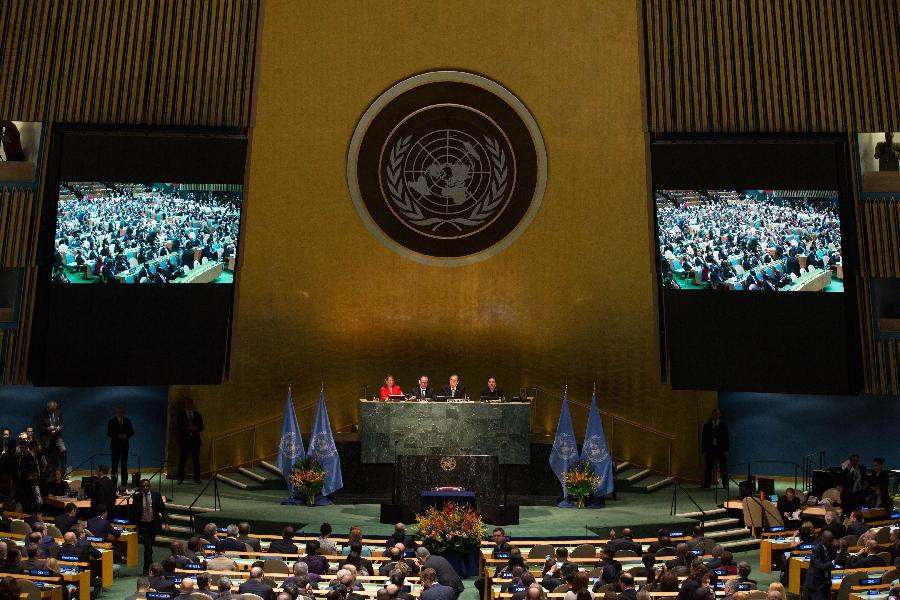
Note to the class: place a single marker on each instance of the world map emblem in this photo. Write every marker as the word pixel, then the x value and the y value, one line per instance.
pixel 594 450
pixel 290 445
pixel 322 445
pixel 447 168
pixel 565 446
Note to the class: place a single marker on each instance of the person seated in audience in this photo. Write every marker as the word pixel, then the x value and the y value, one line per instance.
pixel 667 582
pixel 833 524
pixel 856 524
pixel 142 587
pixel 286 544
pixel 625 542
pixel 498 536
pixel 894 546
pixel 789 507
pixel 362 565
pixel 806 534
pixel 299 588
pixel 726 563
pixel 446 574
pixel 395 558
pixel 356 535
pixel 744 570
pixel 56 485
pixel 224 586
pixel 46 541
pixel 551 574
pixel 244 536
pixel 67 518
pixel 203 583
pixel 432 589
pixel 157 577
pixel 210 534
pixel 399 589
pixel 179 554
pixel 326 545
pixel 11 562
pixel 698 540
pixel 683 557
pixel 729 589
pixel 400 536
pixel 535 592
pixel 662 541
pixel 100 526
pixel 194 549
pixel 581 581
pixel 626 587
pixel 185 589
pixel 867 557
pixel 301 572
pixel 33 558
pixel 220 562
pixel 231 541
pixel 514 561
pixel 255 585
pixel 610 567
pixel 716 560
pixel 316 563
pixel 697 580
pixel 647 568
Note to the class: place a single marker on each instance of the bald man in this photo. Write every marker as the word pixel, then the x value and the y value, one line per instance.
pixel 185 589
pixel 254 585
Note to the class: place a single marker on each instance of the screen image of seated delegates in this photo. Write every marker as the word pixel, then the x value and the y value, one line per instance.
pixel 752 240
pixel 156 233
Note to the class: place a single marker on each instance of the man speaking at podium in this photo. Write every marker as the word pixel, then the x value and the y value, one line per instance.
pixel 453 390
pixel 422 392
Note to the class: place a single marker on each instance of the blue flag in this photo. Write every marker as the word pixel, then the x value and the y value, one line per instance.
pixel 565 448
pixel 323 450
pixel 290 449
pixel 595 450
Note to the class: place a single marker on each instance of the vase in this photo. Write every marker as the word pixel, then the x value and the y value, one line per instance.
pixel 579 502
pixel 310 499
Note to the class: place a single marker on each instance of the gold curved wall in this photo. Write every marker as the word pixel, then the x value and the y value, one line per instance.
pixel 572 300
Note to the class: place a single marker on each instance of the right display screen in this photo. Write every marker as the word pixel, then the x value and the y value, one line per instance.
pixel 760 240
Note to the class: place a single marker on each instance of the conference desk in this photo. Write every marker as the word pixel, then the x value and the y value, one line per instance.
pixel 798 565
pixel 203 274
pixel 814 281
pixel 390 429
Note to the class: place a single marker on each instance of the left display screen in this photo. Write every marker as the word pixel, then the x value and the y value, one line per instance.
pixel 146 233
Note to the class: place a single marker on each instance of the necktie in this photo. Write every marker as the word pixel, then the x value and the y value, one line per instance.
pixel 148 513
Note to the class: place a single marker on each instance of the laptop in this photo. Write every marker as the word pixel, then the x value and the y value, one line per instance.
pixel 396 398
pixel 440 398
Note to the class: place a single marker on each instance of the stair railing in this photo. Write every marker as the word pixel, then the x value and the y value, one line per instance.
pixel 217 500
pixel 542 399
pixel 673 510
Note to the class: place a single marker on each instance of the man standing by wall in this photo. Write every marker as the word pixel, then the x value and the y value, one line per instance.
pixel 189 425
pixel 119 430
pixel 51 437
pixel 714 443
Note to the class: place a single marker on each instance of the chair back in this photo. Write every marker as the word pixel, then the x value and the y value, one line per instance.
pixel 201 596
pixel 850 539
pixel 668 551
pixel 20 528
pixel 28 589
pixel 541 550
pixel 249 596
pixel 883 536
pixel 886 558
pixel 561 589
pixel 274 565
pixel 584 551
pixel 756 595
pixel 625 553
pixel 890 576
pixel 847 582
pixel 53 530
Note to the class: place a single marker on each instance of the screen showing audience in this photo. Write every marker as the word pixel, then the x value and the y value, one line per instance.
pixel 146 233
pixel 750 240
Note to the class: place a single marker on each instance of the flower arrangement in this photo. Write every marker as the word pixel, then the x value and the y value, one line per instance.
pixel 581 481
pixel 308 478
pixel 454 528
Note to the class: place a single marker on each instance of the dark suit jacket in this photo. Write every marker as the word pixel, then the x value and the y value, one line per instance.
pixel 255 586
pixel 821 562
pixel 867 560
pixel 857 529
pixel 160 515
pixel 629 594
pixel 100 527
pixel 83 553
pixel 185 437
pixel 113 429
pixel 417 392
pixel 438 592
pixel 460 391
pixel 104 493
pixel 719 436
pixel 45 426
pixel 253 542
pixel 64 522
pixel 445 573
pixel 626 544
pixel 487 393
pixel 161 584
pixel 283 546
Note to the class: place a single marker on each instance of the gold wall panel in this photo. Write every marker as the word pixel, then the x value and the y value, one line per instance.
pixel 572 300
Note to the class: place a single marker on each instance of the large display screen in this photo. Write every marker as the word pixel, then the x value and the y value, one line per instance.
pixel 146 233
pixel 750 240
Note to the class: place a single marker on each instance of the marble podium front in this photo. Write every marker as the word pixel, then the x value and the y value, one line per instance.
pixel 475 473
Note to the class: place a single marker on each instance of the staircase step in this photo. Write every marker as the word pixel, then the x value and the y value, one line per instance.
pixel 713 512
pixel 622 466
pixel 185 508
pixel 726 522
pixel 658 485
pixel 252 474
pixel 270 467
pixel 180 529
pixel 727 533
pixel 741 545
pixel 638 476
pixel 179 517
pixel 232 481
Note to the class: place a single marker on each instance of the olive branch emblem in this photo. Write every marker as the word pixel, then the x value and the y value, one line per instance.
pixel 403 201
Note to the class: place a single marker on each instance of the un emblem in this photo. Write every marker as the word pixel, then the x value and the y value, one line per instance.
pixel 447 168
pixel 322 446
pixel 595 450
pixel 290 445
pixel 565 446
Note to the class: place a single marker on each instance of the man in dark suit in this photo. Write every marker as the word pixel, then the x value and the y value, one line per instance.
pixel 715 441
pixel 32 560
pixel 158 579
pixel 51 427
pixel 188 425
pixel 400 536
pixel 104 491
pixel 27 476
pixel 148 512
pixel 626 587
pixel 244 536
pixel 254 585
pixel 432 589
pixel 100 527
pixel 285 544
pixel 626 542
pixel 491 392
pixel 817 584
pixel 119 430
pixel 421 392
pixel 454 390
pixel 856 524
pixel 66 519
pixel 446 575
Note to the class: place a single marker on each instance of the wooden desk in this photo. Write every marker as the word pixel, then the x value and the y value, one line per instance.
pixel 50 591
pixel 61 501
pixel 798 567
pixel 767 549
pixel 203 274
pixel 815 281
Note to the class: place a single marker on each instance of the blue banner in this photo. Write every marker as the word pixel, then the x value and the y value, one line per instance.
pixel 290 448
pixel 595 450
pixel 323 449
pixel 565 448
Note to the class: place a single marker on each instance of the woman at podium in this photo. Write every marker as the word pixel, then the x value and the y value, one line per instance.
pixel 389 388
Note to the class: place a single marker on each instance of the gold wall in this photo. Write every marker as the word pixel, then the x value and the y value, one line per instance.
pixel 572 300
